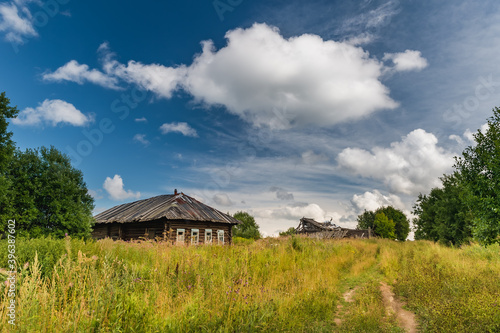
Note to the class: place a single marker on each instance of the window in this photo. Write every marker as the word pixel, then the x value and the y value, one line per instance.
pixel 220 236
pixel 208 236
pixel 180 235
pixel 195 233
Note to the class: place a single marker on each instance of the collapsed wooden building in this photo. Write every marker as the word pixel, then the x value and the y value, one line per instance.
pixel 316 229
pixel 176 218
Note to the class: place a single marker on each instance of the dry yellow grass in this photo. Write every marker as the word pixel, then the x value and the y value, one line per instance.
pixel 291 285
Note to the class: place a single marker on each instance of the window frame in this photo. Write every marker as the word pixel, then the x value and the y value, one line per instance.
pixel 193 241
pixel 219 234
pixel 183 235
pixel 208 240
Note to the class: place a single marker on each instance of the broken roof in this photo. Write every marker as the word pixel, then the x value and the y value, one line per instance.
pixel 169 206
pixel 312 225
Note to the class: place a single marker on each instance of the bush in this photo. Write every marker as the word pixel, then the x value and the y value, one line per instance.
pixel 242 241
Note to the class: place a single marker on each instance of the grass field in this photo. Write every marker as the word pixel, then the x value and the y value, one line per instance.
pixel 287 285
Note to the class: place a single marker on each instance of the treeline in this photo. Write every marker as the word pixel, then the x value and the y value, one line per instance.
pixel 39 188
pixel 386 222
pixel 467 206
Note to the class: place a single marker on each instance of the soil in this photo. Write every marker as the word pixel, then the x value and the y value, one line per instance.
pixel 348 297
pixel 405 318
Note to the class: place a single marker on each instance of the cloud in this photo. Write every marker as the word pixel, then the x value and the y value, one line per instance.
pixel 281 193
pixel 410 166
pixel 114 187
pixel 181 127
pixel 52 112
pixel 222 199
pixel 141 138
pixel 313 211
pixel 78 73
pixel 370 20
pixel 467 138
pixel 269 80
pixel 469 135
pixel 96 194
pixel 16 21
pixel 309 157
pixel 260 76
pixel 373 200
pixel 408 60
pixel 141 120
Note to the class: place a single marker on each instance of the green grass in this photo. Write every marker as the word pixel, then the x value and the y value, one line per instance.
pixel 272 285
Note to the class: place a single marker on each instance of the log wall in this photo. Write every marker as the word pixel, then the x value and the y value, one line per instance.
pixel 162 230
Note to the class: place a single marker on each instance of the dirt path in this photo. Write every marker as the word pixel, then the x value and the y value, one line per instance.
pixel 405 318
pixel 348 297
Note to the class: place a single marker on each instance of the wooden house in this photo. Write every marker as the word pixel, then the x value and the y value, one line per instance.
pixel 177 218
pixel 316 229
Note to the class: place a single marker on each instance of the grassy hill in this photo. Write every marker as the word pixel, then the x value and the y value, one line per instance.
pixel 288 285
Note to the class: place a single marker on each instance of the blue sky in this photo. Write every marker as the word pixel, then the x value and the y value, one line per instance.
pixel 283 109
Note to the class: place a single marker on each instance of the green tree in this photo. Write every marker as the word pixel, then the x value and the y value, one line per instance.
pixel 39 188
pixel 442 215
pixel 248 228
pixel 7 148
pixel 479 170
pixel 384 227
pixel 401 222
pixel 290 231
pixel 366 220
pixel 50 196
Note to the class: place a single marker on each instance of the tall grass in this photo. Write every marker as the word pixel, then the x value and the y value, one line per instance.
pixel 290 285
pixel 452 290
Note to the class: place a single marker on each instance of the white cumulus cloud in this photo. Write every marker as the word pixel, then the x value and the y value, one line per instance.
pixel 410 166
pixel 469 135
pixel 408 60
pixel 262 77
pixel 52 112
pixel 114 187
pixel 373 200
pixel 80 73
pixel 313 211
pixel 180 127
pixel 16 21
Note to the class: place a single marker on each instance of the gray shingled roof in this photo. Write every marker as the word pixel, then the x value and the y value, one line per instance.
pixel 170 206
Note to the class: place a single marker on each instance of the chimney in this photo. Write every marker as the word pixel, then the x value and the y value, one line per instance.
pixel 175 192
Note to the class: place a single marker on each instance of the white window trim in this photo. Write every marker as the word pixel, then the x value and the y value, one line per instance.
pixel 207 239
pixel 183 235
pixel 193 240
pixel 219 233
